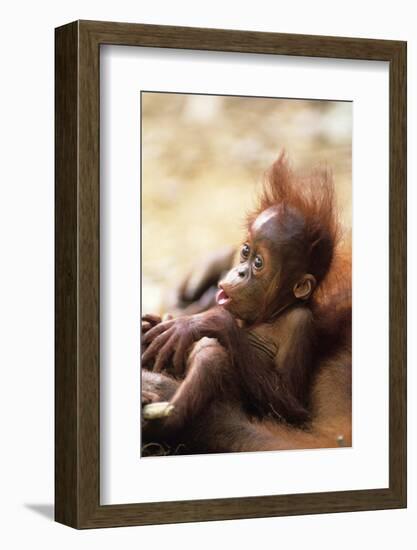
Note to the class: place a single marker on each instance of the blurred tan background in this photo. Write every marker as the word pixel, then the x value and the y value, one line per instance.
pixel 202 159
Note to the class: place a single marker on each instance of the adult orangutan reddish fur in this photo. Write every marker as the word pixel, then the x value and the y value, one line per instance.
pixel 269 367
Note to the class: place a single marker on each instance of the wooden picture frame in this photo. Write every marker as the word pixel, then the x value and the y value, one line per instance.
pixel 77 374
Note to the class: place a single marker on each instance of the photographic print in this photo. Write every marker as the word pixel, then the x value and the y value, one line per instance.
pixel 245 274
pixel 209 226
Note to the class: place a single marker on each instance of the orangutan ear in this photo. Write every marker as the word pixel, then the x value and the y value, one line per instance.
pixel 304 288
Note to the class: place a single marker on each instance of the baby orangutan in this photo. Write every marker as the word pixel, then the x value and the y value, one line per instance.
pixel 257 346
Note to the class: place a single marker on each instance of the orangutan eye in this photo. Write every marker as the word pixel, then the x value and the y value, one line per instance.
pixel 245 251
pixel 258 262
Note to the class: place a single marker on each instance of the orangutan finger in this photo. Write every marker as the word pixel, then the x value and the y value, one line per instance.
pixel 163 355
pixel 149 397
pixel 178 362
pixel 155 346
pixel 155 331
pixel 151 318
pixel 145 326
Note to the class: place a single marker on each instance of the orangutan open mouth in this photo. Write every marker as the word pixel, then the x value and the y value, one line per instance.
pixel 221 297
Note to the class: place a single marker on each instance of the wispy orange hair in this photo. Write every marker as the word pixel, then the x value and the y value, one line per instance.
pixel 312 196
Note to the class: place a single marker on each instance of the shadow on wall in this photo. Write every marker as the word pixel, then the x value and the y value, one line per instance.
pixel 45 510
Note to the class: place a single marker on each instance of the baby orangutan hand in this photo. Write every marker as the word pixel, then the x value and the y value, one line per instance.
pixel 164 339
pixel 174 338
pixel 150 320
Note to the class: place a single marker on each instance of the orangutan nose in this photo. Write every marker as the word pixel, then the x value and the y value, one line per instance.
pixel 242 271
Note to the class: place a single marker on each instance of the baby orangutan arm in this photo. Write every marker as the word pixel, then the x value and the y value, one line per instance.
pixel 295 356
pixel 173 338
pixel 275 374
pixel 261 381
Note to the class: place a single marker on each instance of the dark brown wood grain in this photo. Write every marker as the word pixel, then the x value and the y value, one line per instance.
pixel 77 371
pixel 66 238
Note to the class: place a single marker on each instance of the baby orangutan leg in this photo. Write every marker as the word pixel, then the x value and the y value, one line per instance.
pixel 208 373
